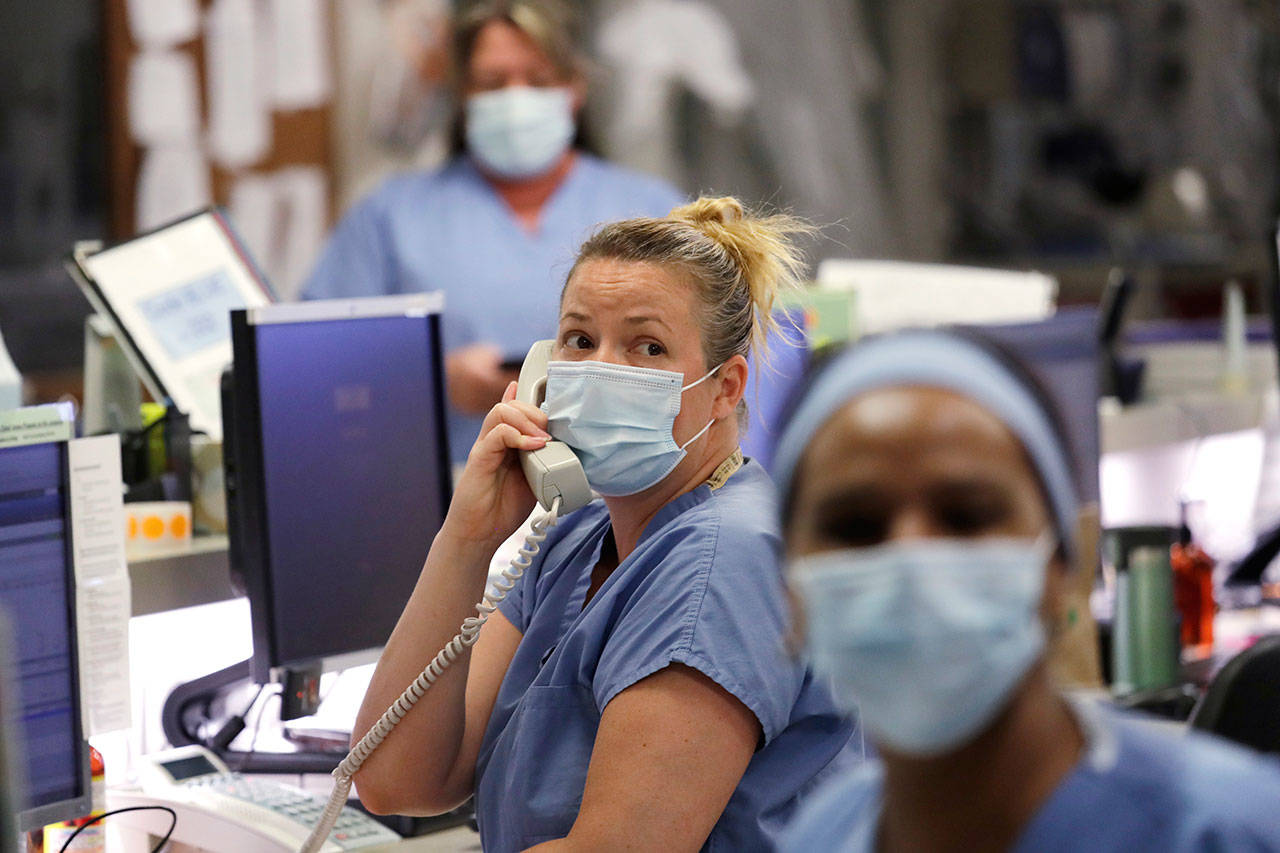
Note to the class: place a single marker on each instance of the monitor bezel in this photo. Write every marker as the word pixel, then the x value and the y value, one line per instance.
pixel 34 817
pixel 248 524
pixel 148 362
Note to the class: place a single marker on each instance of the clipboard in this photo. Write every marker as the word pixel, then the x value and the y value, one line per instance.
pixel 167 295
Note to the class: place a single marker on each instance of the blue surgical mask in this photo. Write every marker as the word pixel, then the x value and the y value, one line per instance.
pixel 519 131
pixel 926 639
pixel 618 420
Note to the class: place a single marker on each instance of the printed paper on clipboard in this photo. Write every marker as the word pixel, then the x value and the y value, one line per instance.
pixel 169 294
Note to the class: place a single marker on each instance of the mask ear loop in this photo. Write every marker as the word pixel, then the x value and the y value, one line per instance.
pixel 704 378
pixel 692 384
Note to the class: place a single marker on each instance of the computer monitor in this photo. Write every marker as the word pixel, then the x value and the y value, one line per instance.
pixel 1273 292
pixel 11 786
pixel 37 593
pixel 1062 353
pixel 338 471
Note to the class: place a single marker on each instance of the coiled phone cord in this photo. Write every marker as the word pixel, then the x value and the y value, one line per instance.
pixel 464 639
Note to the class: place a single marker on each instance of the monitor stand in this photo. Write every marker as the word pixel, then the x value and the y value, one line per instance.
pixel 192 704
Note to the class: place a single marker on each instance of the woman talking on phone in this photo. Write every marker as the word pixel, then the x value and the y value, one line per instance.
pixel 634 689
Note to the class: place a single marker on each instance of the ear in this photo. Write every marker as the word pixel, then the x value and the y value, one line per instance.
pixel 578 94
pixel 733 384
pixel 1056 581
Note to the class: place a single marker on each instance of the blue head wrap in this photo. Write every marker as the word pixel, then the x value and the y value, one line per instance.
pixel 946 360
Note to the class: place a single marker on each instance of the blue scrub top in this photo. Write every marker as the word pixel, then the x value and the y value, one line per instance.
pixel 449 230
pixel 702 588
pixel 1137 788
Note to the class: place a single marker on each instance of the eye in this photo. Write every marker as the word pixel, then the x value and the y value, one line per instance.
pixel 973 511
pixel 853 529
pixel 577 341
pixel 961 520
pixel 653 349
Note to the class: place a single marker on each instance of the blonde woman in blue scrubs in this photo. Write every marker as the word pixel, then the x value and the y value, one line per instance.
pixel 634 690
pixel 929 510
pixel 496 227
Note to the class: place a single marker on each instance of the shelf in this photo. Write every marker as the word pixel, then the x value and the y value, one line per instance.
pixel 1172 420
pixel 164 581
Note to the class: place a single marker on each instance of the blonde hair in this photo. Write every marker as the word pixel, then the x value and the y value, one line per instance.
pixel 549 24
pixel 738 261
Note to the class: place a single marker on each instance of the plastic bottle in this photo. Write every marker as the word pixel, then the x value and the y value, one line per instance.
pixel 1193 594
pixel 10 381
pixel 94 838
pixel 1235 367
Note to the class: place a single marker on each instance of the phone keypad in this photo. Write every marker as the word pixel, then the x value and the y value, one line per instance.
pixel 353 829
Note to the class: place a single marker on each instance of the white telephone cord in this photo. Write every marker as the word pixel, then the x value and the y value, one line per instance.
pixel 464 639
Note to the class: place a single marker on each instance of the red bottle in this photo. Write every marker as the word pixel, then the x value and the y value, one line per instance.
pixel 1193 594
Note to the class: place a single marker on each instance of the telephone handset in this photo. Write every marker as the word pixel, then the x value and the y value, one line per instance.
pixel 553 470
pixel 558 482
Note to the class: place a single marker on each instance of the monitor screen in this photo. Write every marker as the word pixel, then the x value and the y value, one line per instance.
pixel 37 594
pixel 167 295
pixel 1062 353
pixel 343 472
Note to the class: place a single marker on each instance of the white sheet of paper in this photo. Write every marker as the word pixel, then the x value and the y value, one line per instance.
pixel 102 581
pixel 164 98
pixel 239 115
pixel 254 209
pixel 37 424
pixel 172 182
pixel 300 76
pixel 303 192
pixel 897 294
pixel 163 23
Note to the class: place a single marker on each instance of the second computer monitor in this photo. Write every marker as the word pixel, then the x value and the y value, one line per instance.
pixel 338 470
pixel 40 688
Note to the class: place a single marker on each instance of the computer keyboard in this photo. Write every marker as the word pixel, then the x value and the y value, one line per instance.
pixel 353 830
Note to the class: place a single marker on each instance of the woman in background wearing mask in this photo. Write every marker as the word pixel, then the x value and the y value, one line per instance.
pixel 929 510
pixel 495 227
pixel 633 691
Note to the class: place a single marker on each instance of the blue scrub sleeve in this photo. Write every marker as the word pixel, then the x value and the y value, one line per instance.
pixel 520 603
pixel 512 606
pixel 356 260
pixel 713 602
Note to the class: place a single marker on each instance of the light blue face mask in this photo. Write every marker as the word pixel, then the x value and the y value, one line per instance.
pixel 618 420
pixel 925 639
pixel 519 131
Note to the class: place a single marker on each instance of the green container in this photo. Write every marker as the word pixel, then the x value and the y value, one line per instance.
pixel 1144 641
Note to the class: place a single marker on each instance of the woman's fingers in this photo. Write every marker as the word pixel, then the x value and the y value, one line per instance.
pixel 530 420
pixel 535 414
pixel 490 451
pixel 506 435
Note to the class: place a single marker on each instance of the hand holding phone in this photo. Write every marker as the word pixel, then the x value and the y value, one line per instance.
pixel 552 471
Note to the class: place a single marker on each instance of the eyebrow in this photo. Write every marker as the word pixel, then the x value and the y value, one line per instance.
pixel 851 496
pixel 638 321
pixel 634 321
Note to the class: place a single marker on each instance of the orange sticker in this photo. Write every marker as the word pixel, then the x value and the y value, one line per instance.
pixel 152 527
pixel 133 527
pixel 178 526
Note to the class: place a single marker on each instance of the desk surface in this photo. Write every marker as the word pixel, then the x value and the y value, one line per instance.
pixel 454 840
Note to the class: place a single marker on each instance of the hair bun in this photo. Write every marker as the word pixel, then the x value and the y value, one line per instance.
pixel 719 211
